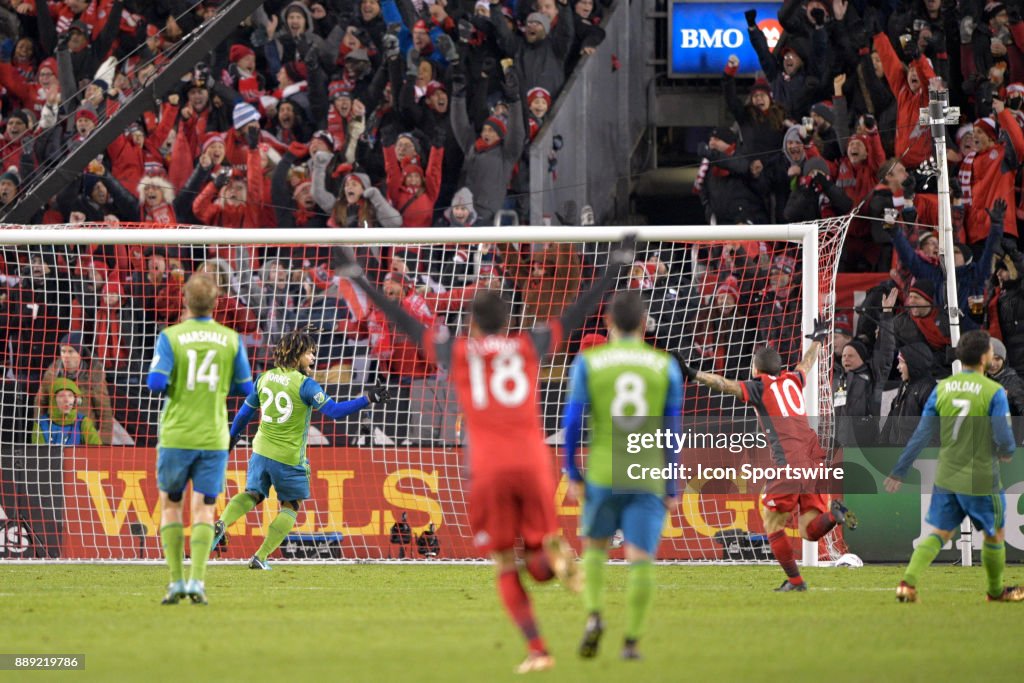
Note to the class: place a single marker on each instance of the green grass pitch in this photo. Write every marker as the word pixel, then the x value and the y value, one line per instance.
pixel 444 623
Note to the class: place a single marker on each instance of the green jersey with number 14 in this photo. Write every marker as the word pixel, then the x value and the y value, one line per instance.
pixel 201 359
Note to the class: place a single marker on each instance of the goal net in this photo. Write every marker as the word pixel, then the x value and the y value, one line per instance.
pixel 82 307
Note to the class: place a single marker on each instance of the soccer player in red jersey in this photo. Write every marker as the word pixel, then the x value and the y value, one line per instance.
pixel 777 397
pixel 512 485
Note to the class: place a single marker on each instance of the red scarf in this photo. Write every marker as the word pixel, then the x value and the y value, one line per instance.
pixel 929 328
pixel 965 175
pixel 480 146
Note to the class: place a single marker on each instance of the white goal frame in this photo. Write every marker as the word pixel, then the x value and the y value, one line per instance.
pixel 805 234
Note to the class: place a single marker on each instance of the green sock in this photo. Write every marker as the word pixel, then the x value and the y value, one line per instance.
pixel 993 557
pixel 924 555
pixel 199 548
pixel 639 595
pixel 172 538
pixel 593 571
pixel 279 528
pixel 237 507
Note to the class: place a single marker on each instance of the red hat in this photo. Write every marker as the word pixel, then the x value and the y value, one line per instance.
pixel 730 286
pixel 86 114
pixel 538 92
pixel 338 89
pixel 1015 89
pixel 409 169
pixel 434 86
pixel 763 85
pixel 420 26
pixel 842 324
pixel 211 138
pixel 589 341
pixel 297 71
pixel 48 63
pixel 238 51
pixel 988 126
pixel 152 30
pixel 498 125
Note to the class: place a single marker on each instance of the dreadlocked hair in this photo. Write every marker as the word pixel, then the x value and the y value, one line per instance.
pixel 292 345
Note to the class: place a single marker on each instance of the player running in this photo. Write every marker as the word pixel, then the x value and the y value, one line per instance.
pixel 286 396
pixel 623 382
pixel 974 428
pixel 196 364
pixel 778 398
pixel 511 483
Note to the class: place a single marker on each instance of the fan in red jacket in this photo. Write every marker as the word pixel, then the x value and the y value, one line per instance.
pixel 233 201
pixel 412 191
pixel 990 171
pixel 130 151
pixel 910 85
pixel 398 355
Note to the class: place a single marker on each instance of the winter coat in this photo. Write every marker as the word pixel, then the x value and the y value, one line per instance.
pixel 913 142
pixel 911 396
pixel 858 396
pixel 730 194
pixel 541 64
pixel 488 170
pixel 67 429
pixel 89 379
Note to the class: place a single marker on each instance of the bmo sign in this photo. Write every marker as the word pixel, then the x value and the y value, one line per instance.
pixel 702 35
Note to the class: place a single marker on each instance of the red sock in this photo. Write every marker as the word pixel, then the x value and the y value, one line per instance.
pixel 783 552
pixel 820 525
pixel 517 604
pixel 539 567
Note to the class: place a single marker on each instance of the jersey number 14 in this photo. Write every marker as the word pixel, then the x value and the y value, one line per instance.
pixel 206 372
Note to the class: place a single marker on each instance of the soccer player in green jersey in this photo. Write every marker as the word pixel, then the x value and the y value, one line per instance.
pixel 630 387
pixel 196 364
pixel 971 414
pixel 286 396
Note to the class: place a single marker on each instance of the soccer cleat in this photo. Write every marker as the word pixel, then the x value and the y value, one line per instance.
pixel 907 593
pixel 536 661
pixel 563 563
pixel 196 592
pixel 630 651
pixel 256 563
pixel 218 535
pixel 1009 594
pixel 843 515
pixel 591 636
pixel 175 592
pixel 788 587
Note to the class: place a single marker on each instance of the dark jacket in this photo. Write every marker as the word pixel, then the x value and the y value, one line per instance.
pixel 911 396
pixel 730 194
pixel 858 396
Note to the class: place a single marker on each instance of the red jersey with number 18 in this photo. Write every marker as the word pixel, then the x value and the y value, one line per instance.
pixel 779 402
pixel 495 378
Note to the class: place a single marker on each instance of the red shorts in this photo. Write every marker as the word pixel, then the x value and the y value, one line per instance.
pixel 791 502
pixel 512 505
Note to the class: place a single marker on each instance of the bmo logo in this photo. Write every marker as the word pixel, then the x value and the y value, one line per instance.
pixel 703 34
pixel 702 38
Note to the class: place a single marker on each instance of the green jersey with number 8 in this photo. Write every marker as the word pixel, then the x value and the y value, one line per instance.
pixel 628 385
pixel 202 360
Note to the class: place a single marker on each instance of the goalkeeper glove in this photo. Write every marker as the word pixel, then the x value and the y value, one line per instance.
pixel 821 331
pixel 378 393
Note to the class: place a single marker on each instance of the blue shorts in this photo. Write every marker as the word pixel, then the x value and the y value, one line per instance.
pixel 290 481
pixel 948 509
pixel 176 466
pixel 641 516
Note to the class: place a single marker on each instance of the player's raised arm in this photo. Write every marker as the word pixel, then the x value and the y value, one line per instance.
pixel 619 258
pixel 711 380
pixel 923 435
pixel 822 328
pixel 410 327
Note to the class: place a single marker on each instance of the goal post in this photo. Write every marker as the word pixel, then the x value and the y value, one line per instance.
pixel 387 483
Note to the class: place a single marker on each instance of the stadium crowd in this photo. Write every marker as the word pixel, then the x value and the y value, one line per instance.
pixel 412 113
pixel 332 114
pixel 830 128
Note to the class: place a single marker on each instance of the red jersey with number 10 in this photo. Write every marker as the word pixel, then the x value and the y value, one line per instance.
pixel 495 379
pixel 779 402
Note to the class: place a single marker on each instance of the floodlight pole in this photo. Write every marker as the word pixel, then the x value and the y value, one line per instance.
pixel 939 114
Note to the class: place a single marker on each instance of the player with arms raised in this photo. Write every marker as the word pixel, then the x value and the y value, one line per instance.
pixel 286 396
pixel 196 364
pixel 511 482
pixel 973 423
pixel 777 396
pixel 630 387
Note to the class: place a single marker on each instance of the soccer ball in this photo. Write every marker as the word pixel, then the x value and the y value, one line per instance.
pixel 849 560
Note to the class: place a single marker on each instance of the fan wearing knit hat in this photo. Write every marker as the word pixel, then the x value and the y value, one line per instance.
pixel 988 178
pixel 1001 371
pixel 242 75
